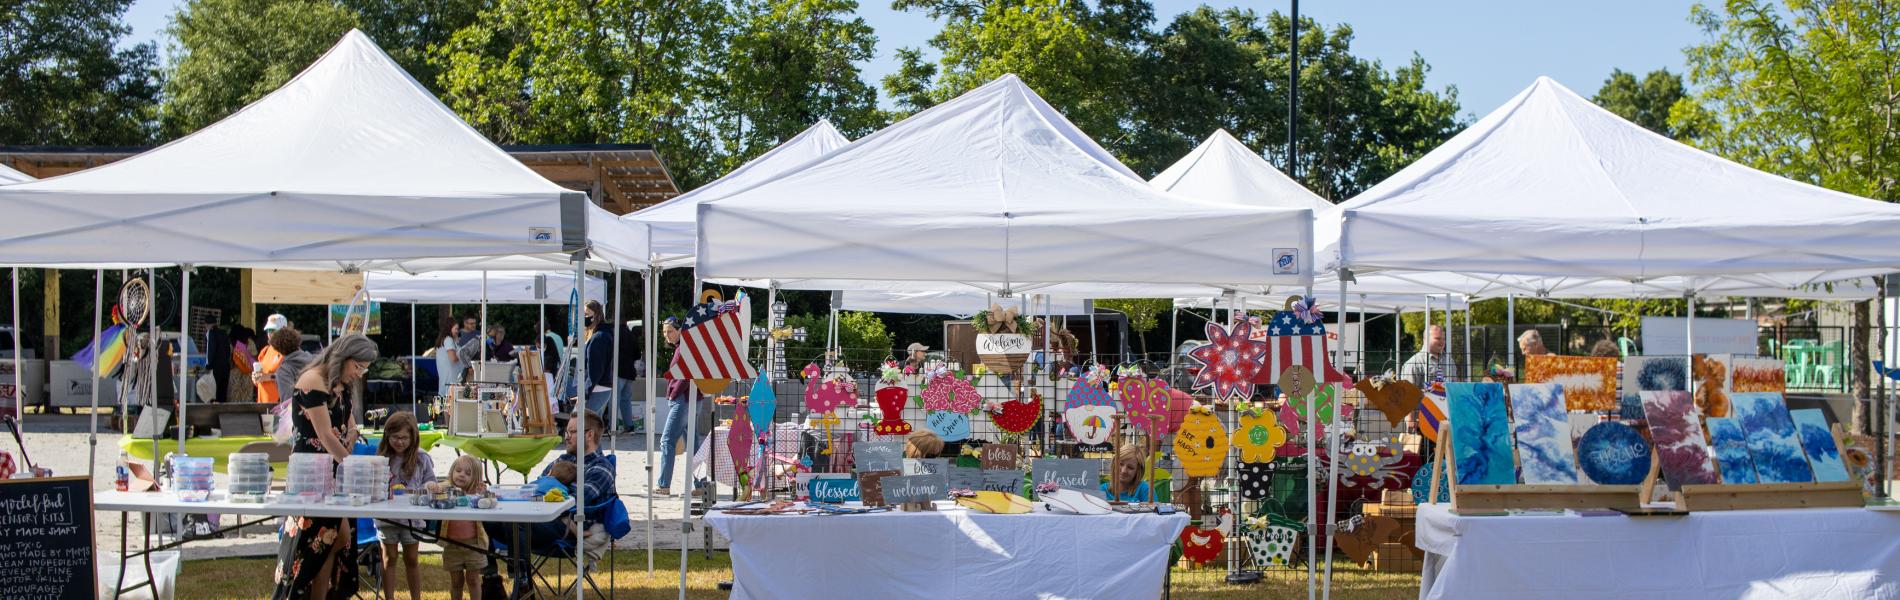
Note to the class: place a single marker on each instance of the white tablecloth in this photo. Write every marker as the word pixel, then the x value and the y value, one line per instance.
pixel 1812 554
pixel 949 553
pixel 504 512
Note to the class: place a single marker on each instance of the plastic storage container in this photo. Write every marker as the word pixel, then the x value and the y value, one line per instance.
pixel 192 478
pixel 311 475
pixel 366 476
pixel 250 474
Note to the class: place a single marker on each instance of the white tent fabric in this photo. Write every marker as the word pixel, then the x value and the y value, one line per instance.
pixel 995 189
pixel 675 222
pixel 1222 169
pixel 465 287
pixel 1551 184
pixel 1373 303
pixel 8 175
pixel 352 160
pixel 960 304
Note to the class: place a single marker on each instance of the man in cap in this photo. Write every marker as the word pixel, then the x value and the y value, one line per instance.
pixel 915 363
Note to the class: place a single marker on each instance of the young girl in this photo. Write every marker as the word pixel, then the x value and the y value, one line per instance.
pixel 1125 482
pixel 465 565
pixel 412 469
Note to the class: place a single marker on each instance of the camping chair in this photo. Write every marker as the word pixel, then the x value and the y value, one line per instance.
pixel 368 555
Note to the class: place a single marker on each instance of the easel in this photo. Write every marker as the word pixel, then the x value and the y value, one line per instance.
pixel 531 392
pixel 1528 496
pixel 1755 496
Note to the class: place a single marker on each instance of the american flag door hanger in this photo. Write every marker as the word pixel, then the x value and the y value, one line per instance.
pixel 715 341
pixel 1296 336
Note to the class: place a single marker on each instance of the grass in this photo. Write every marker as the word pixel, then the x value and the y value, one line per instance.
pixel 247 578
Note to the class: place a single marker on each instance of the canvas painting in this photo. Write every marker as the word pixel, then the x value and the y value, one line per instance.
pixel 1858 452
pixel 1824 455
pixel 1676 430
pixel 1754 374
pixel 1650 374
pixel 1589 382
pixel 1773 442
pixel 1480 434
pixel 1580 423
pixel 1612 453
pixel 1730 446
pixel 1542 428
pixel 1711 384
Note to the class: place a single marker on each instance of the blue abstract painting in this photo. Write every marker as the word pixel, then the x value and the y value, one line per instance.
pixel 1730 446
pixel 1650 374
pixel 1818 441
pixel 1612 453
pixel 1480 434
pixel 1772 441
pixel 1542 428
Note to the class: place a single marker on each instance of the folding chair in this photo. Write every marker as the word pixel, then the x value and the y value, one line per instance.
pixel 369 559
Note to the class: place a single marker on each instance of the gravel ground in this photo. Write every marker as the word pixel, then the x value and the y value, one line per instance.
pixel 59 442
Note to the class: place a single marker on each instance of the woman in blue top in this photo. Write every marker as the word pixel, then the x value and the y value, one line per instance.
pixel 1126 483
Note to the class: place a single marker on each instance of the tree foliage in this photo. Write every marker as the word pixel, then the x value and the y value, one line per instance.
pixel 786 65
pixel 1645 102
pixel 64 82
pixel 228 53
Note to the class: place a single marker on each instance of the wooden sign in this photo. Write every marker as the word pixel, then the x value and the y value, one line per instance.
pixel 1002 343
pixel 1076 473
pixel 871 487
pixel 46 543
pixel 834 490
pixel 1003 480
pixel 878 456
pixel 926 466
pixel 907 489
pixel 1001 456
pixel 288 286
pixel 965 478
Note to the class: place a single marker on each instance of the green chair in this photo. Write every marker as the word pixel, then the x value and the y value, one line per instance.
pixel 1827 369
pixel 1626 346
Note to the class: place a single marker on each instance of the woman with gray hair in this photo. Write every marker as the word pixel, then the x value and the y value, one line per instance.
pixel 310 563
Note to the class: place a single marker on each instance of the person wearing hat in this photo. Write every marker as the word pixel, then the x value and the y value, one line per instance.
pixel 264 371
pixel 915 363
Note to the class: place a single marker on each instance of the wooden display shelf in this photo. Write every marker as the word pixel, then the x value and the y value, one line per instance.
pixel 1755 496
pixel 1525 496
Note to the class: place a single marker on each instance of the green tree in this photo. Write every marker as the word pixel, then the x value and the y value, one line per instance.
pixel 62 80
pixel 1078 57
pixel 1144 314
pixel 787 64
pixel 228 53
pixel 1806 90
pixel 863 336
pixel 568 71
pixel 409 30
pixel 1645 102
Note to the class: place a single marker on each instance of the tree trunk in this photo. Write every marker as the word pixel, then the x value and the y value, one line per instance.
pixel 1860 361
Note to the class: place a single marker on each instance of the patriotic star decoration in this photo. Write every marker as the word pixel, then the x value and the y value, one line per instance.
pixel 1229 361
pixel 1286 324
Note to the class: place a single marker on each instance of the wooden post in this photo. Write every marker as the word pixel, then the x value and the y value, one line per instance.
pixel 247 309
pixel 49 324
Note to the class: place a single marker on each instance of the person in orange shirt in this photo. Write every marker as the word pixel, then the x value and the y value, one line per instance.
pixel 265 371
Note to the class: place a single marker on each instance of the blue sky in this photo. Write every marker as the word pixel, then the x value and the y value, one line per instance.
pixel 1489 49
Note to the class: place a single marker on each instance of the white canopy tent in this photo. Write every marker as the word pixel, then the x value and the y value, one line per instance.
pixel 993 189
pixel 960 304
pixel 675 222
pixel 8 176
pixel 351 164
pixel 1222 169
pixel 1550 184
pixel 465 287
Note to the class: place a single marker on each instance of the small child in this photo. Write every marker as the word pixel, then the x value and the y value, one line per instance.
pixel 413 469
pixel 922 444
pixel 463 564
pixel 1125 482
pixel 560 476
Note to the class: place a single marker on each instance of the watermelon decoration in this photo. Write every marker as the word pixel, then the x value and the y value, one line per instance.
pixel 1018 417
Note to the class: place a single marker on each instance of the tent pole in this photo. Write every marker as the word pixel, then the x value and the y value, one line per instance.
pixel 1688 339
pixel 652 325
pixel 619 329
pixel 1467 369
pixel 19 388
pixel 151 360
pixel 414 411
pixel 1332 442
pixel 98 315
pixel 1445 362
pixel 1312 492
pixel 481 337
pixel 691 441
pixel 184 351
pixel 1510 329
pixel 579 447
pixel 1365 366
